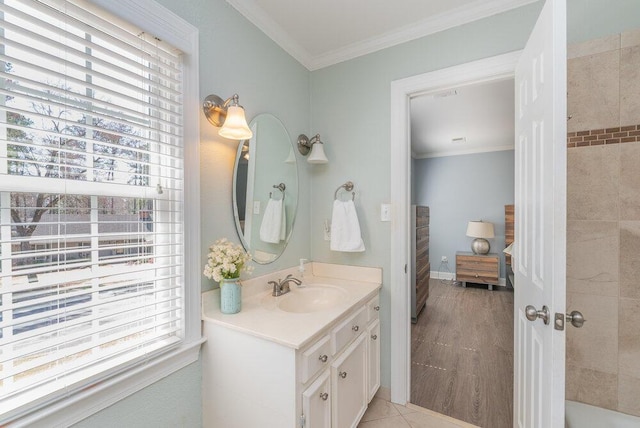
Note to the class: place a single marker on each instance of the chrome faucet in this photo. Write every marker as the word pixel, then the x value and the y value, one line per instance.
pixel 282 286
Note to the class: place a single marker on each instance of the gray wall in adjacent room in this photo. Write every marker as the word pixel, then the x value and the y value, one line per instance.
pixel 458 189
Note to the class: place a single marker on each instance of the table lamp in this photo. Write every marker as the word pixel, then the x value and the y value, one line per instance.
pixel 481 231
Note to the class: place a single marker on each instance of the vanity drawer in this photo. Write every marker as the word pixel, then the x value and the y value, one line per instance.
pixel 316 358
pixel 349 329
pixel 373 308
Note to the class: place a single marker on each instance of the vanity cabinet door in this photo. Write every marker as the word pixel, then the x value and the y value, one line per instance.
pixel 349 385
pixel 316 403
pixel 373 359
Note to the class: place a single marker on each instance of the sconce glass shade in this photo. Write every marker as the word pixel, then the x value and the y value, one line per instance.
pixel 317 155
pixel 235 125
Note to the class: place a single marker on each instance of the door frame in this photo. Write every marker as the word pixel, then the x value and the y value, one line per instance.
pixel 479 71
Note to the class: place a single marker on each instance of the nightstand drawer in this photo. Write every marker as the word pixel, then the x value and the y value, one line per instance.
pixel 477 262
pixel 477 268
pixel 476 277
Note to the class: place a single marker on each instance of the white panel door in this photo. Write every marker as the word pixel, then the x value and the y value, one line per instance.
pixel 540 205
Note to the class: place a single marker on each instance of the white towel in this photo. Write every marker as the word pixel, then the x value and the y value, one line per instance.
pixel 274 222
pixel 345 228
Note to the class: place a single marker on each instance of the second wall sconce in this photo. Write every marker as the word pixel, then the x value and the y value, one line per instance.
pixel 313 145
pixel 229 115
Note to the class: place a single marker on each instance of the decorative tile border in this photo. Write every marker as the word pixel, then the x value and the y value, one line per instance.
pixel 597 137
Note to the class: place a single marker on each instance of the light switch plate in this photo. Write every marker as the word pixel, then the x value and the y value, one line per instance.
pixel 256 207
pixel 385 212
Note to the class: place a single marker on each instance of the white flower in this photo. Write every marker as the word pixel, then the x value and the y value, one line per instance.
pixel 226 260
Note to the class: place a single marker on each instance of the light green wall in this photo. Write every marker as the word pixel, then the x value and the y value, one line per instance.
pixel 351 110
pixel 591 19
pixel 174 401
pixel 236 57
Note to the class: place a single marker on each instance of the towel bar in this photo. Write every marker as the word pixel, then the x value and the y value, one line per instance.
pixel 281 187
pixel 348 186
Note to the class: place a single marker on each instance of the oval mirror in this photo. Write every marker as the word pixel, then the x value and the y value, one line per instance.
pixel 265 189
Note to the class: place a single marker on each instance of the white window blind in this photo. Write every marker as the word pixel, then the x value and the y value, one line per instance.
pixel 91 199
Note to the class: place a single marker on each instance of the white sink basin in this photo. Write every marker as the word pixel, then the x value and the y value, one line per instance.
pixel 311 298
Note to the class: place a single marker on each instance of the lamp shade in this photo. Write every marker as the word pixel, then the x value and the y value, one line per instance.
pixel 235 125
pixel 480 229
pixel 317 154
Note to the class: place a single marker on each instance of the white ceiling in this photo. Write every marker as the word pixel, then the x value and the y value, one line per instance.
pixel 482 115
pixel 319 33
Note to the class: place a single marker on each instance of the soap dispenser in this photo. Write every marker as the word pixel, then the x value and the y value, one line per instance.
pixel 301 269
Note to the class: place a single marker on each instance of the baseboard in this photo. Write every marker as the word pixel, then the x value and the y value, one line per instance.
pixel 442 275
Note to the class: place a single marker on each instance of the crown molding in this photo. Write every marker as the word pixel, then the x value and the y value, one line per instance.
pixel 477 10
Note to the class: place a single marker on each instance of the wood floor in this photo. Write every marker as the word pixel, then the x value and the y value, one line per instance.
pixel 462 354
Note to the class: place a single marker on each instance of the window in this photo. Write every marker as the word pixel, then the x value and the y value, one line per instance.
pixel 92 241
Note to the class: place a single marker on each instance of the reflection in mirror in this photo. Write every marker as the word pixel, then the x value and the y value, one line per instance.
pixel 265 189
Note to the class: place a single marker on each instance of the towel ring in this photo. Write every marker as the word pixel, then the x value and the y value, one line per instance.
pixel 348 186
pixel 281 187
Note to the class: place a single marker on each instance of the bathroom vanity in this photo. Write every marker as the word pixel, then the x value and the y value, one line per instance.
pixel 310 358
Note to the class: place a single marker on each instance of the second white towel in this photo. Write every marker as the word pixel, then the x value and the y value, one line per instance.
pixel 345 228
pixel 274 222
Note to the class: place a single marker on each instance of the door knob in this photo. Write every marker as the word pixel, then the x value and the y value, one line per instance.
pixel 533 314
pixel 576 319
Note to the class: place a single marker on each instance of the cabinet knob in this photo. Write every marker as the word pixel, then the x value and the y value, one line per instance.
pixel 323 358
pixel 342 374
pixel 374 336
pixel 324 396
pixel 355 328
pixel 376 308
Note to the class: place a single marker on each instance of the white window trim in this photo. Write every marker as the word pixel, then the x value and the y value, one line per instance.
pixel 157 20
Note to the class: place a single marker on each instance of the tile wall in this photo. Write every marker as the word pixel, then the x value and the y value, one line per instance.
pixel 603 222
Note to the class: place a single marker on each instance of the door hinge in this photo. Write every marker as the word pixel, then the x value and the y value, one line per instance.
pixel 405 268
pixel 303 421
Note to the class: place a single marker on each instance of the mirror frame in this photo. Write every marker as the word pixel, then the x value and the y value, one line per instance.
pixel 252 153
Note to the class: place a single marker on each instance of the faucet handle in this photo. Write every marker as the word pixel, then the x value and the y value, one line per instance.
pixel 277 291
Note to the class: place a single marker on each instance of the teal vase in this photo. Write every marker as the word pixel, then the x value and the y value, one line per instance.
pixel 230 296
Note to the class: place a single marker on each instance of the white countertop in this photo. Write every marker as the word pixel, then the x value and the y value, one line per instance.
pixel 261 317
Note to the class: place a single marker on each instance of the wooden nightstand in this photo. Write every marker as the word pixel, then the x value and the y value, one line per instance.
pixel 477 268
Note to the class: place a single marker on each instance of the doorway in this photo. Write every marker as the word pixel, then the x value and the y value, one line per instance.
pixel 490 69
pixel 462 150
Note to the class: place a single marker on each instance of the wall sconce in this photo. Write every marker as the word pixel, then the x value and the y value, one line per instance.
pixel 229 115
pixel 313 145
pixel 481 230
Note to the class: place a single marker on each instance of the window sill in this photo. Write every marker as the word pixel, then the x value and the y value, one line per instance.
pixel 75 408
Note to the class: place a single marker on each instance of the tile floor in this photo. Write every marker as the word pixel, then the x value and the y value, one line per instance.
pixel 384 414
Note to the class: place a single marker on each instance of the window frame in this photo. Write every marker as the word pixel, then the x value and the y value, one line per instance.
pixel 155 19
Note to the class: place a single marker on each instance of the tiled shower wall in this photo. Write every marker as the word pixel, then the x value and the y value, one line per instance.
pixel 603 222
